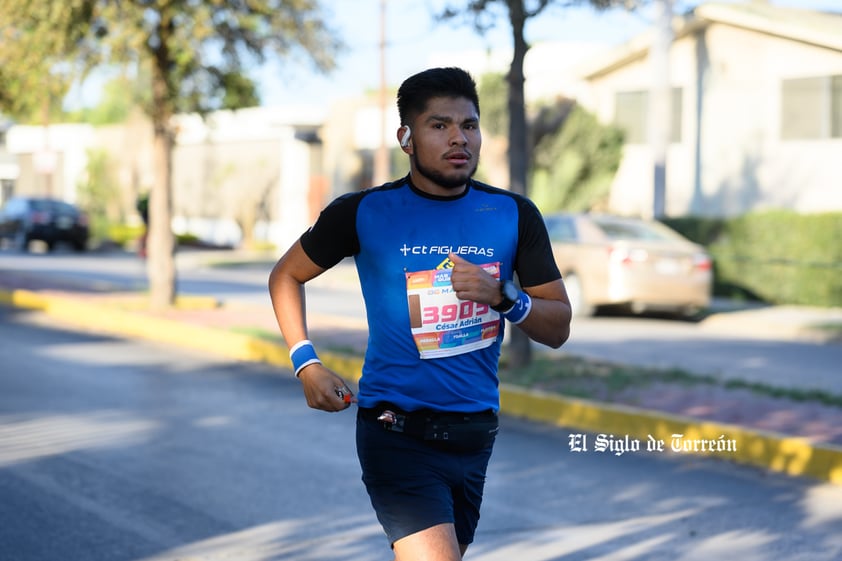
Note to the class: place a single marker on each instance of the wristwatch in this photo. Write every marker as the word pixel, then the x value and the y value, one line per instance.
pixel 510 294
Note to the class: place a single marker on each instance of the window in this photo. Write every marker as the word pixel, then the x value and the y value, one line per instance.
pixel 634 230
pixel 560 228
pixel 632 115
pixel 811 108
pixel 7 187
pixel 15 207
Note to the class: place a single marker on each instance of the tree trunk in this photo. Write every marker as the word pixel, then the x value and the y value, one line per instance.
pixel 520 350
pixel 161 242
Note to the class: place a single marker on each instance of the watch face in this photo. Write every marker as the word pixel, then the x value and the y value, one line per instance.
pixel 510 291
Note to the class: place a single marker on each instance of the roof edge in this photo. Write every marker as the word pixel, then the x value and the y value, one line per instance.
pixel 724 14
pixel 701 17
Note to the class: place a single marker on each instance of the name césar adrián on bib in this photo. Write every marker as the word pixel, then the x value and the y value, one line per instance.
pixel 442 324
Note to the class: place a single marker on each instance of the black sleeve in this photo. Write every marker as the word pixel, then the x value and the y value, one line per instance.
pixel 534 263
pixel 334 235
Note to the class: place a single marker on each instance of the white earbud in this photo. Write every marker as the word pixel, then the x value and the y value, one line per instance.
pixel 405 137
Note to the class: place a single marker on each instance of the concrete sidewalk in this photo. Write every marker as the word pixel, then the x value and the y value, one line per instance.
pixel 797 438
pixel 802 323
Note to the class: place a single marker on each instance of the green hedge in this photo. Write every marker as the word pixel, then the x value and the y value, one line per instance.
pixel 122 234
pixel 779 257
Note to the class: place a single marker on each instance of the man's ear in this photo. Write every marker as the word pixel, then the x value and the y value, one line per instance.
pixel 404 136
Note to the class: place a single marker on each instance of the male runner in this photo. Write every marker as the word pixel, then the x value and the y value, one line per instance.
pixel 436 254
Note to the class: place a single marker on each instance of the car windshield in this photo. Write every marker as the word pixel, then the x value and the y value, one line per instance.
pixel 560 228
pixel 628 230
pixel 15 206
pixel 40 205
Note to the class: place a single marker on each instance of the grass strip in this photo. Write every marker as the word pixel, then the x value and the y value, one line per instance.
pixel 589 378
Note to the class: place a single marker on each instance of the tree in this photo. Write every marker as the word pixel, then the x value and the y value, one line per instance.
pixel 195 54
pixel 43 46
pixel 575 161
pixel 483 13
pixel 98 194
pixel 493 91
pixel 573 157
pixel 120 97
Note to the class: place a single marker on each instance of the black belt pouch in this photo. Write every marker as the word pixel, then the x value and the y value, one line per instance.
pixel 461 432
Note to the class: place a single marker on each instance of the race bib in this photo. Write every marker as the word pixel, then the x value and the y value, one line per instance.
pixel 442 325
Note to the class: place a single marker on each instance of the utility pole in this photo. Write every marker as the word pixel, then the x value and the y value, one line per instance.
pixel 381 155
pixel 660 104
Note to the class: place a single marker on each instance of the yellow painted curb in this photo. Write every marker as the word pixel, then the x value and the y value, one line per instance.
pixel 110 319
pixel 790 455
pixel 24 299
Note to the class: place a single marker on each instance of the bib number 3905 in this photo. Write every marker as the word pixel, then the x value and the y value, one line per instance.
pixel 441 324
pixel 453 312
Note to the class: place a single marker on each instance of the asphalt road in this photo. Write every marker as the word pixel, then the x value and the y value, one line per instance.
pixel 123 450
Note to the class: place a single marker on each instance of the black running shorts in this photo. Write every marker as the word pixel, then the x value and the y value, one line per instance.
pixel 414 486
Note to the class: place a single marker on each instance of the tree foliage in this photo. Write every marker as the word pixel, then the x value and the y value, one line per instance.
pixel 493 96
pixel 195 54
pixel 120 96
pixel 98 195
pixel 43 46
pixel 572 157
pixel 574 166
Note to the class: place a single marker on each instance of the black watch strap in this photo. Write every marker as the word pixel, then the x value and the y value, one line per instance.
pixel 509 292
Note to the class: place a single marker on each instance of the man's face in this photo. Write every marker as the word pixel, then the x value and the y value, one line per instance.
pixel 445 144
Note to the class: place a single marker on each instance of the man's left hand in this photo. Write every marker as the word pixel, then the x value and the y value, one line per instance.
pixel 472 282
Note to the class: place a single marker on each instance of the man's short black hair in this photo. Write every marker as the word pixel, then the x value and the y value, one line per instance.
pixel 418 89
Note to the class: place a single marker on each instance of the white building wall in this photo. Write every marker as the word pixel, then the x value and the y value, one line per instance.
pixel 224 168
pixel 62 147
pixel 293 201
pixel 745 163
pixel 731 158
pixel 633 186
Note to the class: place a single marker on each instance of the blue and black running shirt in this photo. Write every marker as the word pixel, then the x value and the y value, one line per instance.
pixel 426 349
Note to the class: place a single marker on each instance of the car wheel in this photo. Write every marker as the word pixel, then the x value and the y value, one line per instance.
pixel 581 308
